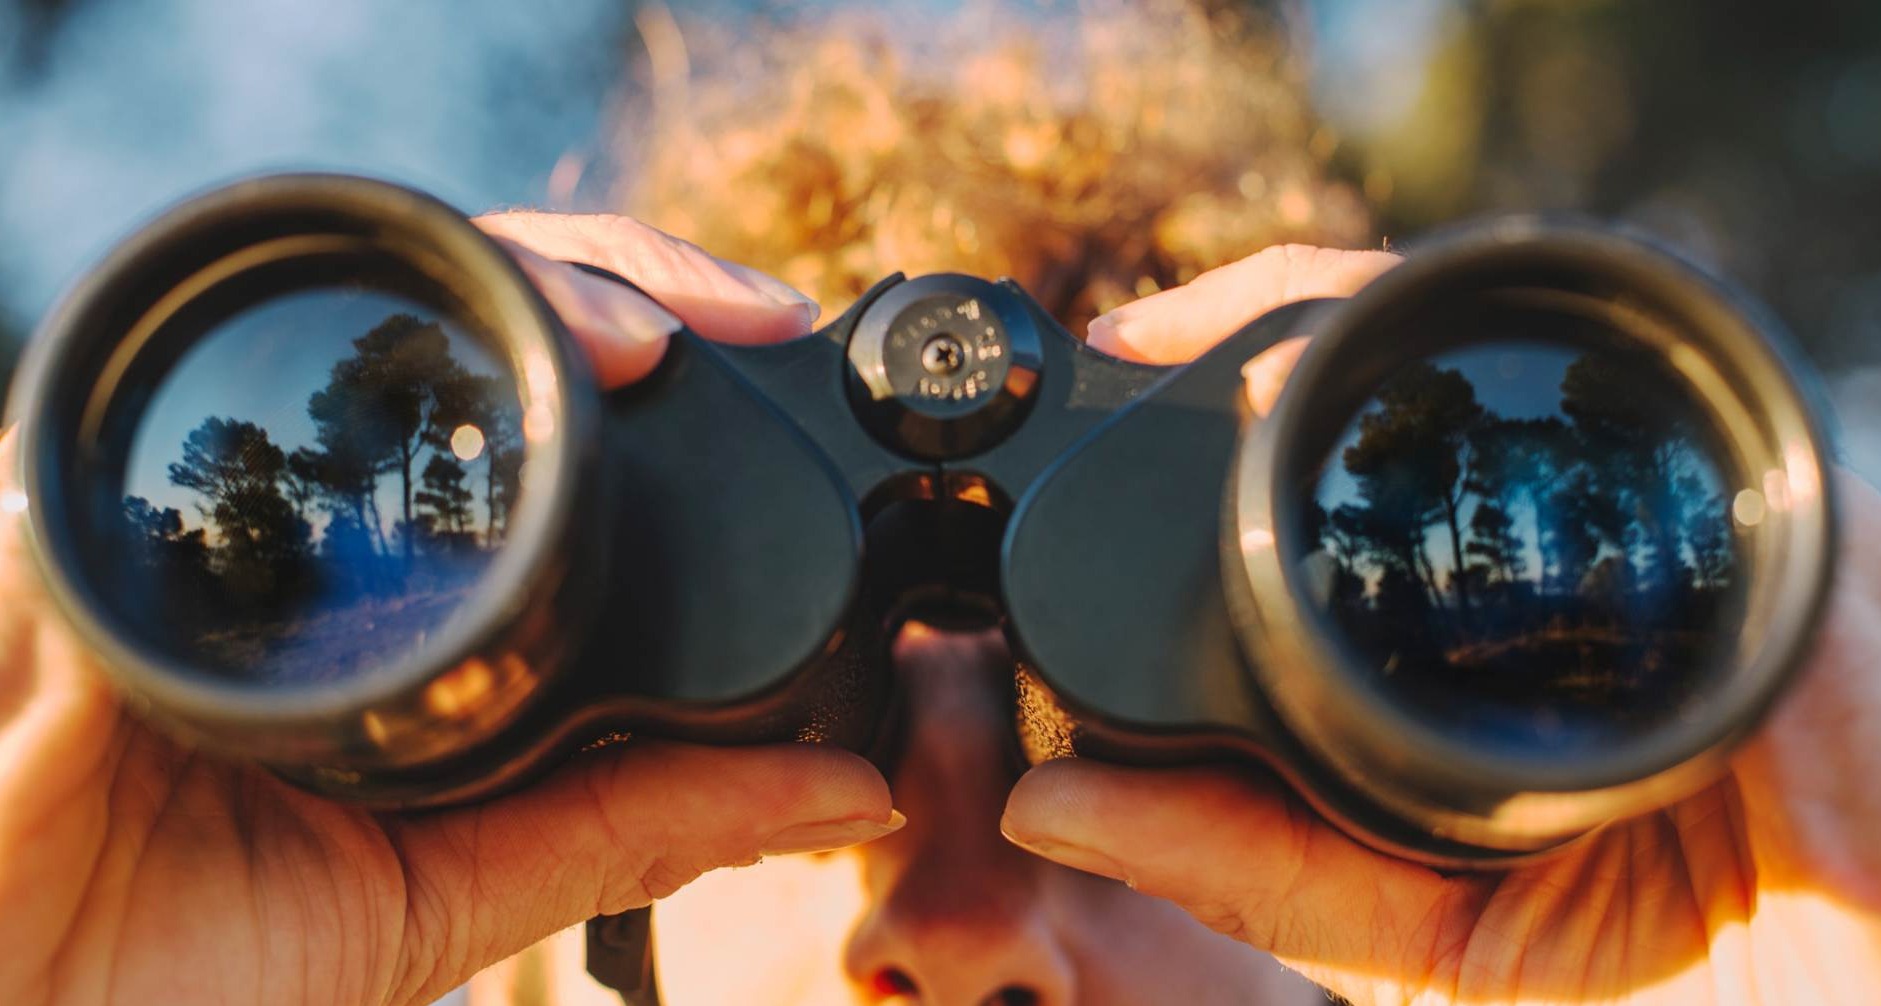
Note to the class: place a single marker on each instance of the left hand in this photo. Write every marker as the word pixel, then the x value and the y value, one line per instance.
pixel 1764 888
pixel 135 868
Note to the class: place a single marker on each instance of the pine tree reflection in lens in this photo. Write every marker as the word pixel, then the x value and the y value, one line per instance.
pixel 1531 543
pixel 316 485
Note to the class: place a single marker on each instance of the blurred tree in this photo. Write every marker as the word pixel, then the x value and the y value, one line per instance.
pixel 177 561
pixel 343 474
pixel 1522 461
pixel 1709 519
pixel 381 407
pixel 1493 541
pixel 1582 518
pixel 162 540
pixel 301 478
pixel 483 403
pixel 1637 447
pixel 1412 455
pixel 444 496
pixel 506 469
pixel 1743 132
pixel 233 466
pixel 237 469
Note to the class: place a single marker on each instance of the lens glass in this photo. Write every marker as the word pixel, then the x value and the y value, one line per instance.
pixel 312 485
pixel 1533 542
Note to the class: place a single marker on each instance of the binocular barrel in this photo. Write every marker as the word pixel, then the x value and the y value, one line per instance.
pixel 1537 531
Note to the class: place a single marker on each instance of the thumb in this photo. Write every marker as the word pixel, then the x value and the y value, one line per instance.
pixel 1179 324
pixel 614 831
pixel 1240 855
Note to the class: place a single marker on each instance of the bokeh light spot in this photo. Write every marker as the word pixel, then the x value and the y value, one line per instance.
pixel 467 442
pixel 1749 508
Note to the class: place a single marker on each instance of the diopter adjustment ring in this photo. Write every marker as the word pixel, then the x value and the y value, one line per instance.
pixel 943 366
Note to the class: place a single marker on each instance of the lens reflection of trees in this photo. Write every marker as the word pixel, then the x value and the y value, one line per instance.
pixel 296 572
pixel 1572 563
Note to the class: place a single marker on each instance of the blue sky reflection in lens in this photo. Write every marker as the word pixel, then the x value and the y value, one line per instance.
pixel 316 485
pixel 1531 543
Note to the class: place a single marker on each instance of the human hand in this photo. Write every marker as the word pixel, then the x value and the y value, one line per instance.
pixel 1764 888
pixel 136 870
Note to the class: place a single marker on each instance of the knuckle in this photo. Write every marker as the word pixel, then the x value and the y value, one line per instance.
pixel 1223 918
pixel 656 877
pixel 611 228
pixel 665 875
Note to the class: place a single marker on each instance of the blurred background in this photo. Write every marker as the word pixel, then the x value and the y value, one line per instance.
pixel 1746 133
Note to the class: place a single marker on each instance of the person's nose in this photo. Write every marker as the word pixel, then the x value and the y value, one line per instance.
pixel 957 915
pixel 953 932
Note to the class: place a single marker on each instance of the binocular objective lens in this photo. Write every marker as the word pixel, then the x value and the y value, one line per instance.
pixel 311 485
pixel 1531 544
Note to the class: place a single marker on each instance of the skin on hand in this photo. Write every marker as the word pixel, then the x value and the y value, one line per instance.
pixel 1764 888
pixel 135 870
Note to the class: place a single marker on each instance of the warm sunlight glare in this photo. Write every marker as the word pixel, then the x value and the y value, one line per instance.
pixel 467 442
pixel 1749 508
pixel 538 424
pixel 1257 540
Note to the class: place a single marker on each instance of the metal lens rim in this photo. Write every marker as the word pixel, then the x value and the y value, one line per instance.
pixel 439 243
pixel 1336 707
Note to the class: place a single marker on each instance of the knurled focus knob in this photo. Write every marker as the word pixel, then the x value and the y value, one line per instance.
pixel 943 366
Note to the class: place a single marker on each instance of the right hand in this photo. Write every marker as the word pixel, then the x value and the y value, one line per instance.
pixel 135 870
pixel 1763 888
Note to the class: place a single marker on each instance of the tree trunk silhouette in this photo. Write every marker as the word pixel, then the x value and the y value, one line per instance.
pixel 377 525
pixel 405 453
pixel 489 498
pixel 1425 572
pixel 1451 507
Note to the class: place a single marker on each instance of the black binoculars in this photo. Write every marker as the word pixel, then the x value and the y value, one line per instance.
pixel 1535 533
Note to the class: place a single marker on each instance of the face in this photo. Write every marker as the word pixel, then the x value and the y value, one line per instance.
pixel 945 911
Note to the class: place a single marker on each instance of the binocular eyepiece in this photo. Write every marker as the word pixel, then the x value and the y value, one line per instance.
pixel 1537 531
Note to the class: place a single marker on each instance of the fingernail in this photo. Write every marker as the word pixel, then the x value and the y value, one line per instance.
pixel 1102 329
pixel 826 835
pixel 775 290
pixel 628 313
pixel 1075 856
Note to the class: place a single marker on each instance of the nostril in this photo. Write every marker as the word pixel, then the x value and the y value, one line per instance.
pixel 893 982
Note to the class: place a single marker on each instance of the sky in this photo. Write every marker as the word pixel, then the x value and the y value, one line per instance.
pixel 1512 380
pixel 135 105
pixel 262 367
pixel 1517 379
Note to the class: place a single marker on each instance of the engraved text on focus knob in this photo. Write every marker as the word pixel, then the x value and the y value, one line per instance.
pixel 944 365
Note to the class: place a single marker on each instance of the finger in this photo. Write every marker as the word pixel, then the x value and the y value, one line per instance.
pixel 61 746
pixel 623 333
pixel 1815 760
pixel 1181 323
pixel 717 299
pixel 1267 374
pixel 1241 856
pixel 611 832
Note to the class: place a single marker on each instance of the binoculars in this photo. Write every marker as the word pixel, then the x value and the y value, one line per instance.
pixel 1535 533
